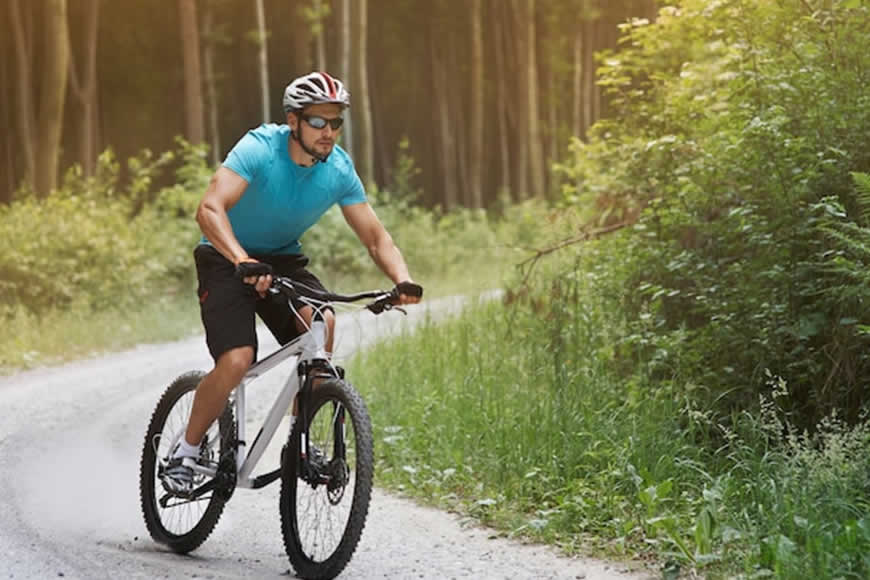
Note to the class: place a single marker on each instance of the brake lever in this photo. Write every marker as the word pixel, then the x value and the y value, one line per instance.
pixel 391 306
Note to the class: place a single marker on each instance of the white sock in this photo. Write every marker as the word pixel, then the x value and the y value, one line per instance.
pixel 185 449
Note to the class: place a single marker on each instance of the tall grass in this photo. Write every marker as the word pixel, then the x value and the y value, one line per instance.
pixel 515 413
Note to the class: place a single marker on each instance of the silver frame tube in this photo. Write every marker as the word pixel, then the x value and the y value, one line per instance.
pixel 308 346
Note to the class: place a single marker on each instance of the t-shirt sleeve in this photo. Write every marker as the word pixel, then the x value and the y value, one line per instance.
pixel 247 157
pixel 354 191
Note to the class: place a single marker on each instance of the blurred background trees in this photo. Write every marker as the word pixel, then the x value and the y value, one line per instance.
pixel 486 92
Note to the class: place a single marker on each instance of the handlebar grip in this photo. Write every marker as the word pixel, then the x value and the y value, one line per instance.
pixel 248 269
pixel 408 289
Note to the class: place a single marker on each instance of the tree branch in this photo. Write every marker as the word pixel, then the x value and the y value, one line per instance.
pixel 582 237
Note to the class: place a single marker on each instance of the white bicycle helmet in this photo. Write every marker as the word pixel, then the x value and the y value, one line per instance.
pixel 314 88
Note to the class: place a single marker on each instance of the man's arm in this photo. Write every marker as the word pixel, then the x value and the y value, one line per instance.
pixel 371 232
pixel 224 191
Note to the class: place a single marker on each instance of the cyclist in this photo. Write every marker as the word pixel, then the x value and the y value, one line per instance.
pixel 276 182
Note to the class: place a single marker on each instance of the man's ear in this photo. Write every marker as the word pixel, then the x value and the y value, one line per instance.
pixel 292 120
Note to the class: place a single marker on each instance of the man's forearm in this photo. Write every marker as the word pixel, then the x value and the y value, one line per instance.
pixel 389 259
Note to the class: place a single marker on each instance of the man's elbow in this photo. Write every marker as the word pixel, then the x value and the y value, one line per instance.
pixel 200 213
pixel 204 213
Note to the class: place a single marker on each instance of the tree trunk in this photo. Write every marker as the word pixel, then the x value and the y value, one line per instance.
pixel 553 123
pixel 597 34
pixel 533 117
pixel 301 43
pixel 25 116
pixel 457 98
pixel 546 30
pixel 346 67
pixel 7 188
pixel 477 101
pixel 85 89
pixel 521 90
pixel 588 75
pixel 503 119
pixel 444 126
pixel 320 37
pixel 262 37
pixel 211 84
pixel 366 140
pixel 577 114
pixel 193 106
pixel 54 74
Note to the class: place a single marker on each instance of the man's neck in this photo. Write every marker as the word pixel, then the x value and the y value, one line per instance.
pixel 297 154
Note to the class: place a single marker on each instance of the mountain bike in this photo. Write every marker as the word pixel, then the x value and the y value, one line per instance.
pixel 326 464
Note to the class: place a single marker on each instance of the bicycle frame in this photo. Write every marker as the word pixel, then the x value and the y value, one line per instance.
pixel 310 346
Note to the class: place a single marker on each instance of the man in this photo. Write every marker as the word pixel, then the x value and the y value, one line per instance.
pixel 277 181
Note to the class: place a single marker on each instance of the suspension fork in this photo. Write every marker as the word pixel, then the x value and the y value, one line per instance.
pixel 310 370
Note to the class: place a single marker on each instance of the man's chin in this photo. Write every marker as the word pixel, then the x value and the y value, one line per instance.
pixel 322 151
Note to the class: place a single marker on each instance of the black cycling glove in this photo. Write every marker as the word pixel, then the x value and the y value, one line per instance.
pixel 408 289
pixel 248 269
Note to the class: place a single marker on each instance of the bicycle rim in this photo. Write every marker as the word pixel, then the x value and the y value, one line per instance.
pixel 322 523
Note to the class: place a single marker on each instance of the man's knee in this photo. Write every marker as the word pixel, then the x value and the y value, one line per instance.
pixel 235 362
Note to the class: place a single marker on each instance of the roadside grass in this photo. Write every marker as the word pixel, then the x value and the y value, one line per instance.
pixel 512 414
pixel 57 336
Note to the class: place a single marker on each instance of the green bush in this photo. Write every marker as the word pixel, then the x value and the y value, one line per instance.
pixel 522 418
pixel 739 125
pixel 92 243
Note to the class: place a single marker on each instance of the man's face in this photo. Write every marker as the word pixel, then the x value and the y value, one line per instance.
pixel 321 140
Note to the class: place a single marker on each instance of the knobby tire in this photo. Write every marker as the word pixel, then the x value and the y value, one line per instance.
pixel 306 513
pixel 174 406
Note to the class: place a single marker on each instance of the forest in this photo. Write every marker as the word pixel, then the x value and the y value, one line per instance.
pixel 486 93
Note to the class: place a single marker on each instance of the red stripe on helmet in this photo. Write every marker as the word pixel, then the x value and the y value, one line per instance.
pixel 331 84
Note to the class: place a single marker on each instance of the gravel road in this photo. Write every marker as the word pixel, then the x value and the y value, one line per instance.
pixel 70 439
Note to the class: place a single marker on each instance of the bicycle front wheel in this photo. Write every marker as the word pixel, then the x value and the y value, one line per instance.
pixel 184 523
pixel 323 511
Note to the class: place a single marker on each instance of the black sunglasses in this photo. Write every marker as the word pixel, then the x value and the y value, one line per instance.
pixel 321 122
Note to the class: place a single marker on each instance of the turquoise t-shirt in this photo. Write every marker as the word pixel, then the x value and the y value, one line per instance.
pixel 283 199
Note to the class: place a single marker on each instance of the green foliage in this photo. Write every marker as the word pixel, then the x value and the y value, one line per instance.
pixel 520 417
pixel 739 127
pixel 98 243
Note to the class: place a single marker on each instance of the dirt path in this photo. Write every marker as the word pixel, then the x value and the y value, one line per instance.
pixel 70 439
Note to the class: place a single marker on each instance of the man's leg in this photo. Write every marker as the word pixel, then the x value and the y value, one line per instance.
pixel 227 307
pixel 214 390
pixel 307 313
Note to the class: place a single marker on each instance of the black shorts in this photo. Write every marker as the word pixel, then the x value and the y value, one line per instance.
pixel 227 304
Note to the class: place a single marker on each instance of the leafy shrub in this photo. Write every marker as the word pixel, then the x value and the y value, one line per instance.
pixel 98 245
pixel 738 124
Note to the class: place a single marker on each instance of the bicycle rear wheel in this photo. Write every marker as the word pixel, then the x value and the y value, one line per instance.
pixel 322 518
pixel 183 524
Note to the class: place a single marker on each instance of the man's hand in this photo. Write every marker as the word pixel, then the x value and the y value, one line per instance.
pixel 259 274
pixel 409 292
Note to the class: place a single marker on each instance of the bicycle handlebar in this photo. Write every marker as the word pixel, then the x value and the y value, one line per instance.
pixel 384 299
